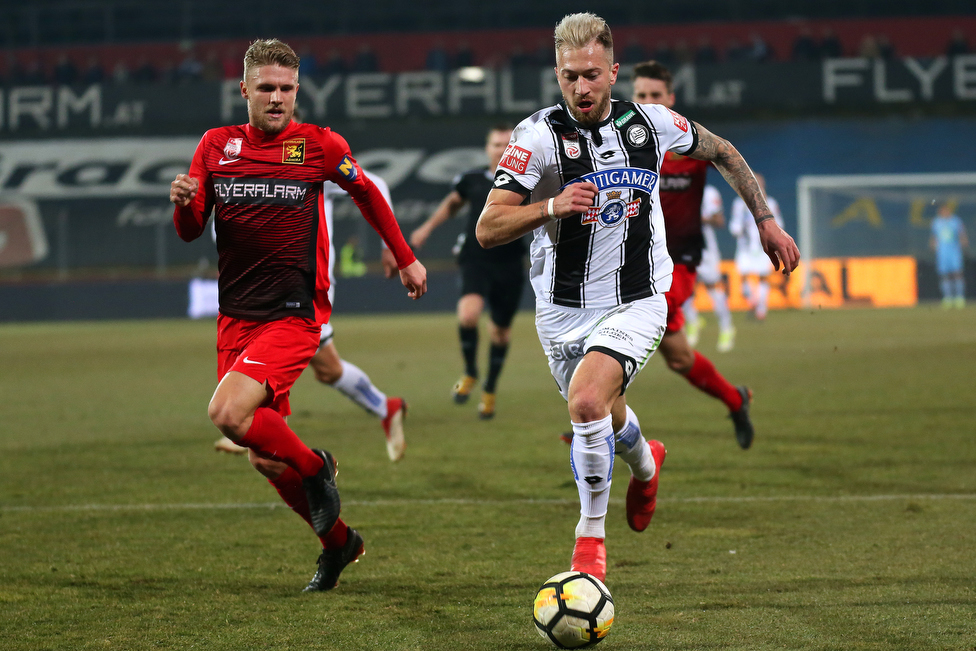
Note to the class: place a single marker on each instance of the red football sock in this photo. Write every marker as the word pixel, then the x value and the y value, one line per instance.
pixel 704 376
pixel 272 438
pixel 289 487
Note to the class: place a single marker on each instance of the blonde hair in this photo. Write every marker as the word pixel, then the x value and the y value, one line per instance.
pixel 577 30
pixel 270 51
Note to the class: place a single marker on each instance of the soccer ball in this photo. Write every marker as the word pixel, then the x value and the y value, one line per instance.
pixel 573 610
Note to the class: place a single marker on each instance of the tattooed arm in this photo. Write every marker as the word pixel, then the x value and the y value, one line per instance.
pixel 777 243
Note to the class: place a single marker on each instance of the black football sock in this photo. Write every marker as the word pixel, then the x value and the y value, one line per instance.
pixel 469 349
pixel 496 359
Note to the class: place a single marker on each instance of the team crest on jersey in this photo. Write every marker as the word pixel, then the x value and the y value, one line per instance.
pixel 293 151
pixel 637 135
pixel 233 147
pixel 680 121
pixel 347 168
pixel 571 145
pixel 613 212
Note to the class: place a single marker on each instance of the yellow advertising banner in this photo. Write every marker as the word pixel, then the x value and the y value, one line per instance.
pixel 834 282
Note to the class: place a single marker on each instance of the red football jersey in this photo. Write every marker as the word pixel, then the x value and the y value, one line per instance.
pixel 272 240
pixel 681 186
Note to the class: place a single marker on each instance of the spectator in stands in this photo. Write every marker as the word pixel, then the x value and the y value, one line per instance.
pixel 804 47
pixel 212 69
pixel 365 60
pixel 634 52
pixel 683 52
pixel 334 65
pixel 437 58
pixel 308 66
pixel 759 50
pixel 94 71
pixel 869 48
pixel 464 57
pixel 830 46
pixel 145 72
pixel 120 73
pixel 190 68
pixel 885 48
pixel 957 44
pixel 736 51
pixel 65 71
pixel 663 53
pixel 706 52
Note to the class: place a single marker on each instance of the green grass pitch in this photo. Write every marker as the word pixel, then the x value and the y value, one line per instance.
pixel 849 525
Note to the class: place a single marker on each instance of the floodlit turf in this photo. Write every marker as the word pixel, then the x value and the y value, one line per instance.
pixel 849 525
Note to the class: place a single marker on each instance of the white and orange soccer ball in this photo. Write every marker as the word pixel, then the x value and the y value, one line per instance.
pixel 573 610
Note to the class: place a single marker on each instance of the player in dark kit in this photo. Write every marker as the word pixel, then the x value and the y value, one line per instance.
pixel 682 185
pixel 264 180
pixel 496 276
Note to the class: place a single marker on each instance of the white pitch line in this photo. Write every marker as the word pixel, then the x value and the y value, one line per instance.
pixel 477 502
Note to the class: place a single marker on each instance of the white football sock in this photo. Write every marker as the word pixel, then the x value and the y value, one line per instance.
pixel 356 385
pixel 592 462
pixel 632 447
pixel 721 306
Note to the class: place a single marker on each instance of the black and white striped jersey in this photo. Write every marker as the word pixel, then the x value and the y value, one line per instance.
pixel 614 253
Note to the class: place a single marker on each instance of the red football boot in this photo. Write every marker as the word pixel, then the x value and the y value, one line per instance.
pixel 590 556
pixel 642 495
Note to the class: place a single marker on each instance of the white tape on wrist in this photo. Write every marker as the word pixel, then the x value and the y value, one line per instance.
pixel 550 209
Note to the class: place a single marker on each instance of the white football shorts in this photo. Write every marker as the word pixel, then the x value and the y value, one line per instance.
pixel 630 333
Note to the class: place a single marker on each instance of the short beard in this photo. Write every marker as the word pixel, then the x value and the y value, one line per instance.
pixel 594 116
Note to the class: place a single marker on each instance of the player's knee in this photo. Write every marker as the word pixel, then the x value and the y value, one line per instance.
pixel 587 406
pixel 681 362
pixel 326 371
pixel 227 419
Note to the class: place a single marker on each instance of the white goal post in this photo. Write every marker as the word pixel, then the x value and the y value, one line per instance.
pixel 896 201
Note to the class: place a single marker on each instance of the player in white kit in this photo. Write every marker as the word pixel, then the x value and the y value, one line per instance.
pixel 582 177
pixel 709 274
pixel 750 259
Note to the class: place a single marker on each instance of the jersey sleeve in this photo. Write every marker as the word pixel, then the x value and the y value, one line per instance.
pixel 191 220
pixel 523 162
pixel 342 168
pixel 676 132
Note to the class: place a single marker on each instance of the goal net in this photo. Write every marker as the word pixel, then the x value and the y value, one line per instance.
pixel 864 239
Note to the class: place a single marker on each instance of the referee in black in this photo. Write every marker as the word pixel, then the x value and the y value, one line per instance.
pixel 494 276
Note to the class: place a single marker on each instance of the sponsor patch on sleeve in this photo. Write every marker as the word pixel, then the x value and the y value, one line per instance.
pixel 679 121
pixel 347 168
pixel 516 159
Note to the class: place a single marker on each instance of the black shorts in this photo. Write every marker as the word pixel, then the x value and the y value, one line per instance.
pixel 500 284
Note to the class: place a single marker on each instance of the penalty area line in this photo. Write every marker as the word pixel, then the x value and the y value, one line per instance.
pixel 479 502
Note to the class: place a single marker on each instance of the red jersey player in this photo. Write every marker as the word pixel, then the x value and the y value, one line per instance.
pixel 263 180
pixel 682 185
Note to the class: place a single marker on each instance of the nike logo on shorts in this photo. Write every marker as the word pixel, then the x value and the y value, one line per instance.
pixel 251 361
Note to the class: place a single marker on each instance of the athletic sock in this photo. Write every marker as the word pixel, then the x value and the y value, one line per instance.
pixel 591 457
pixel 960 288
pixel 271 437
pixel 496 359
pixel 762 299
pixel 691 312
pixel 356 385
pixel 289 487
pixel 631 446
pixel 469 349
pixel 721 306
pixel 946 285
pixel 704 376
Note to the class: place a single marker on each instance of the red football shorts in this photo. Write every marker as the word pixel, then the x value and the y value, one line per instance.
pixel 682 288
pixel 272 352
